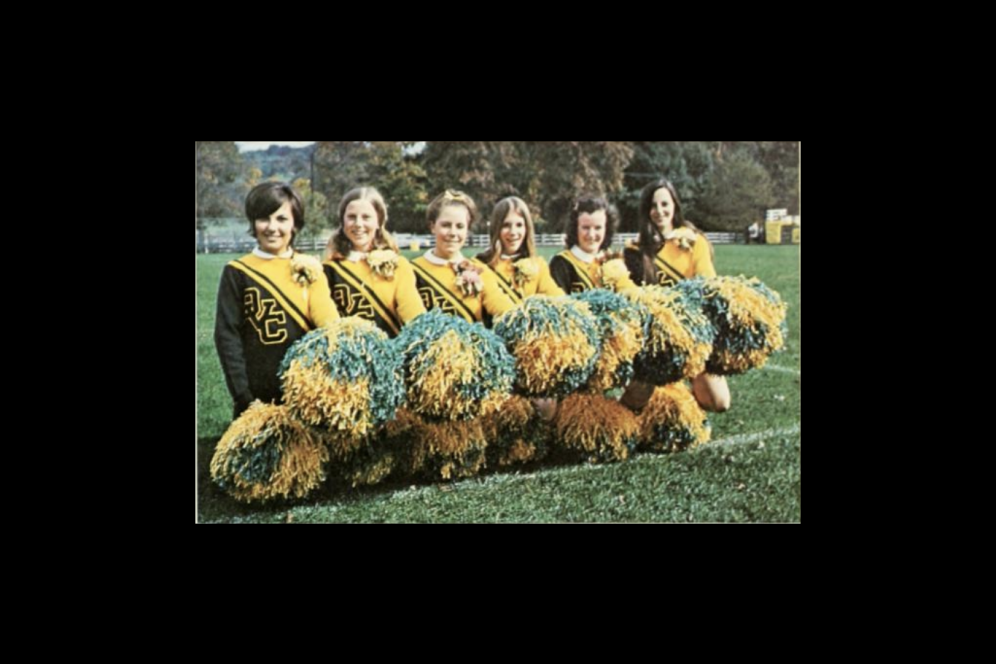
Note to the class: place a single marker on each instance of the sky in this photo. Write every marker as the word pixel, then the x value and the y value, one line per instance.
pixel 249 146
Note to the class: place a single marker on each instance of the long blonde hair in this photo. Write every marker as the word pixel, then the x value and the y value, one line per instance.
pixel 339 245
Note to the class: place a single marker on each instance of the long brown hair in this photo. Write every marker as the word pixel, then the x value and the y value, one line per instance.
pixel 498 216
pixel 651 239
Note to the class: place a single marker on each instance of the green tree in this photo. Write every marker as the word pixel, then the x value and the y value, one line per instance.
pixel 687 164
pixel 547 175
pixel 568 169
pixel 483 169
pixel 318 217
pixel 737 194
pixel 217 167
pixel 339 167
pixel 781 160
pixel 402 181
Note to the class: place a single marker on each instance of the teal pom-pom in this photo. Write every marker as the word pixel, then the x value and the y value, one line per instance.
pixel 345 378
pixel 620 325
pixel 555 342
pixel 679 335
pixel 453 370
pixel 749 319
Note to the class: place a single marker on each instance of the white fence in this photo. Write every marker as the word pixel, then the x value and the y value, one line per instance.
pixel 233 244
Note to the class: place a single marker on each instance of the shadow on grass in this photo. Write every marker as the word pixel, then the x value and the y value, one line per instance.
pixel 214 504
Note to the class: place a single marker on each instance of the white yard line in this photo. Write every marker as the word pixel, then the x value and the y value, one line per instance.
pixel 743 438
pixel 775 367
pixel 739 439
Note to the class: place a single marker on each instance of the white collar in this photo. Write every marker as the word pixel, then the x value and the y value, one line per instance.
pixel 513 257
pixel 583 255
pixel 436 260
pixel 259 253
pixel 356 256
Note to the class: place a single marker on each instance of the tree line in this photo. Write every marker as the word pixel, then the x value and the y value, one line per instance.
pixel 723 185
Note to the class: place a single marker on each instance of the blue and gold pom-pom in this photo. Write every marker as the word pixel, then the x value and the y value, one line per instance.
pixel 555 342
pixel 595 429
pixel 620 325
pixel 391 449
pixel 344 379
pixel 434 450
pixel 265 454
pixel 453 370
pixel 672 420
pixel 371 460
pixel 515 434
pixel 749 319
pixel 677 335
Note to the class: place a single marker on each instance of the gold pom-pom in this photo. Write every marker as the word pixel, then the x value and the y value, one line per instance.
pixel 679 337
pixel 750 321
pixel 595 428
pixel 515 434
pixel 673 420
pixel 443 450
pixel 265 455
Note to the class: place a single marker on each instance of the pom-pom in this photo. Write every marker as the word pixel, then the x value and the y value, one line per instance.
pixel 555 344
pixel 749 319
pixel 344 379
pixel 265 454
pixel 620 324
pixel 515 434
pixel 677 335
pixel 595 429
pixel 434 450
pixel 453 370
pixel 673 421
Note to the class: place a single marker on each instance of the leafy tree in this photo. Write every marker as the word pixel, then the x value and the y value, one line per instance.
pixel 317 215
pixel 402 181
pixel 217 166
pixel 737 193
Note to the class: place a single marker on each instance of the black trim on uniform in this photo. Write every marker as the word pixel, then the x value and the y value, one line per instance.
pixel 290 303
pixel 369 291
pixel 428 277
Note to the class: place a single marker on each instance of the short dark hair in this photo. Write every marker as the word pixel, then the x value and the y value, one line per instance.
pixel 589 205
pixel 266 198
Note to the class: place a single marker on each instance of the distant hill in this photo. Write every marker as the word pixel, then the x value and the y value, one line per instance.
pixel 282 162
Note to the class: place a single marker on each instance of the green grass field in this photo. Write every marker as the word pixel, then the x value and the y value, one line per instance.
pixel 752 471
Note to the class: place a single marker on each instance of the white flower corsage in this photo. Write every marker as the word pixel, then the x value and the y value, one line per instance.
pixel 523 271
pixel 683 237
pixel 383 263
pixel 305 269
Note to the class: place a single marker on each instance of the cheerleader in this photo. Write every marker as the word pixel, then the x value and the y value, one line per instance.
pixel 512 255
pixel 367 275
pixel 668 250
pixel 269 298
pixel 447 280
pixel 590 229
